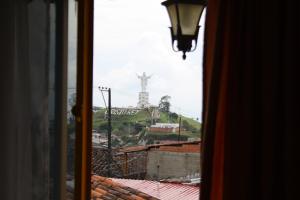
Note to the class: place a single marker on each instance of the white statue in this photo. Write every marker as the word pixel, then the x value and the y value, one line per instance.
pixel 144 80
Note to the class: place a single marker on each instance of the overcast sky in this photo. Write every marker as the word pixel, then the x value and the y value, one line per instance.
pixel 132 37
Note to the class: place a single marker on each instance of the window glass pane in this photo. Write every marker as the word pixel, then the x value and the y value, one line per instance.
pixel 72 69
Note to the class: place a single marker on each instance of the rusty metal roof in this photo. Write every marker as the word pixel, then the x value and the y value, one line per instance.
pixel 181 145
pixel 163 191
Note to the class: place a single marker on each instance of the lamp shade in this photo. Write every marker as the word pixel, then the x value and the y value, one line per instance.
pixel 184 13
pixel 184 16
pixel 189 16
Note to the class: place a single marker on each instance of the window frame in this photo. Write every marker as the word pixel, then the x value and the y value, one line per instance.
pixel 83 108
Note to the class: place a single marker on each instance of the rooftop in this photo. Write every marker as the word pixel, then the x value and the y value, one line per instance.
pixel 163 191
pixel 186 146
pixel 166 125
pixel 109 189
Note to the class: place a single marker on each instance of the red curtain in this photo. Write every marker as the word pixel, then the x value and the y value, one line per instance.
pixel 251 101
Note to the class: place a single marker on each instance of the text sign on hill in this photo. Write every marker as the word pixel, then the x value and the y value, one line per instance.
pixel 124 111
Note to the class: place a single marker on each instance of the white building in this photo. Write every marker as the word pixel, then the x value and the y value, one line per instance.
pixel 164 127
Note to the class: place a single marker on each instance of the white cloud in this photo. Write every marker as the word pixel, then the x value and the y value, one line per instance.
pixel 133 37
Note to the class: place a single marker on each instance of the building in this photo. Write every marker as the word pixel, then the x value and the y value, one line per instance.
pixel 161 161
pixel 164 128
pixel 99 139
pixel 153 162
pixel 173 160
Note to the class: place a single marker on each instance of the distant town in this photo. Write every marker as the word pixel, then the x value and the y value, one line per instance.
pixel 147 143
pixel 144 124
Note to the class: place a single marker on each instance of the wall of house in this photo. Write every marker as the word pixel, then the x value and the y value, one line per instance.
pixel 163 164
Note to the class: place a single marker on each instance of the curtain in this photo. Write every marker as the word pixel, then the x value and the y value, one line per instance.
pixel 251 101
pixel 28 106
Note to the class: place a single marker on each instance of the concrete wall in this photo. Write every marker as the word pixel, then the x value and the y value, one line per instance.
pixel 161 165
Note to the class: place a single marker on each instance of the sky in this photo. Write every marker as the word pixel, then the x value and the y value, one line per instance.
pixel 132 37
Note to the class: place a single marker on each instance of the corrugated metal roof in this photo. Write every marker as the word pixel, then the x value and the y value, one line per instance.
pixel 163 191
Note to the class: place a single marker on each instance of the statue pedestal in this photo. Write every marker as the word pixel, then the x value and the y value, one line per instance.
pixel 143 100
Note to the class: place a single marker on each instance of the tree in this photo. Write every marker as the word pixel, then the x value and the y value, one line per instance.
pixel 138 127
pixel 174 116
pixel 164 104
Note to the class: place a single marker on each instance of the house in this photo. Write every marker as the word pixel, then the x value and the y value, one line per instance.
pixel 99 139
pixel 164 128
pixel 153 162
pixel 160 161
pixel 173 160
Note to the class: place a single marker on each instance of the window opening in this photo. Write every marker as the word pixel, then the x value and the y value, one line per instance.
pixel 154 97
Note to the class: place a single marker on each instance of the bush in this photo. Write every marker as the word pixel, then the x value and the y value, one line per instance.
pixel 173 116
pixel 138 127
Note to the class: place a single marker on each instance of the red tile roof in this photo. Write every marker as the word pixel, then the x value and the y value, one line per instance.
pixel 108 189
pixel 184 148
pixel 163 191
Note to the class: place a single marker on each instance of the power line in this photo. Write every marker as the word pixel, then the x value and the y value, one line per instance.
pixel 103 99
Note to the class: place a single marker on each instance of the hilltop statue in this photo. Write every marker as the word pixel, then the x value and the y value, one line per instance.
pixel 144 80
pixel 143 95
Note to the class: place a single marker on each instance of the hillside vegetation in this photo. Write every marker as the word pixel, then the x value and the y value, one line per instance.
pixel 132 129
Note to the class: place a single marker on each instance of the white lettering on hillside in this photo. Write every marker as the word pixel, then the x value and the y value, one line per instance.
pixel 123 111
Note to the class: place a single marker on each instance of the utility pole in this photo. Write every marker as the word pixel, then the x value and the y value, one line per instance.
pixel 109 156
pixel 109 133
pixel 179 128
pixel 109 120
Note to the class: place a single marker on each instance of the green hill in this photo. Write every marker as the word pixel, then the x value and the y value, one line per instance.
pixel 132 129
